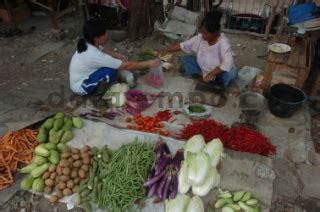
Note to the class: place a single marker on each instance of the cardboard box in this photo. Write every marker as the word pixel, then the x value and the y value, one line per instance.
pixel 20 13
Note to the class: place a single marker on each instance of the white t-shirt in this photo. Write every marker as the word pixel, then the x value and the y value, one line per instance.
pixel 85 63
pixel 210 57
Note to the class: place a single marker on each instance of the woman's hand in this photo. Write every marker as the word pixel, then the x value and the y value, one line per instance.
pixel 154 63
pixel 207 78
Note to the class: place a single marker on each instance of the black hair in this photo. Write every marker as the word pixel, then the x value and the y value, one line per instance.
pixel 212 20
pixel 92 29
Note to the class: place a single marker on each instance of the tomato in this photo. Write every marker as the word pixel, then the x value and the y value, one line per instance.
pixel 128 119
pixel 161 125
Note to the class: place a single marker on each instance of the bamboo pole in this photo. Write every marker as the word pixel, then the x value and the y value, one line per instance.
pixel 275 4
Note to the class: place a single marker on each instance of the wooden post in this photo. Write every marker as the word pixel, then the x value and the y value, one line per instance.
pixel 275 4
pixel 9 8
pixel 206 6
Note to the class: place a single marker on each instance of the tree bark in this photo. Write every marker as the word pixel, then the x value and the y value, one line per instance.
pixel 140 25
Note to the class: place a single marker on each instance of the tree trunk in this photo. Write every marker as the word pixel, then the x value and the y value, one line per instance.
pixel 140 25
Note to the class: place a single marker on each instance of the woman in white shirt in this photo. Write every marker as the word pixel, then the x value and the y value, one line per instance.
pixel 91 64
pixel 213 60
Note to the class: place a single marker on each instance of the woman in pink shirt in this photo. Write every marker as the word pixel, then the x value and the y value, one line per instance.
pixel 213 60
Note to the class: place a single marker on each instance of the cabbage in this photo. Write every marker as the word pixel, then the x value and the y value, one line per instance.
pixel 179 204
pixel 118 100
pixel 116 88
pixel 195 145
pixel 183 184
pixel 211 181
pixel 124 87
pixel 195 205
pixel 215 150
pixel 198 167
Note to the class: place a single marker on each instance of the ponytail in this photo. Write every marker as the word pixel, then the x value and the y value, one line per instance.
pixel 82 45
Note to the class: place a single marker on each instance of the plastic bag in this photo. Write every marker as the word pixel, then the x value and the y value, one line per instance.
pixel 155 77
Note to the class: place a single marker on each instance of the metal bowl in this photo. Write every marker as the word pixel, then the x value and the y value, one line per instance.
pixel 252 101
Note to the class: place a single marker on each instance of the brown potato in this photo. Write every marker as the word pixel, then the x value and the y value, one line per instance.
pixel 64 178
pixel 62 185
pixel 59 192
pixel 86 160
pixel 70 184
pixel 76 181
pixel 76 189
pixel 53 175
pixel 86 148
pixel 66 171
pixel 66 155
pixel 84 155
pixel 75 151
pixel 74 173
pixel 75 156
pixel 67 192
pixel 85 167
pixel 52 168
pixel 49 182
pixel 59 170
pixel 47 189
pixel 70 160
pixel 53 199
pixel 90 153
pixel 77 164
pixel 64 163
pixel 82 174
pixel 46 175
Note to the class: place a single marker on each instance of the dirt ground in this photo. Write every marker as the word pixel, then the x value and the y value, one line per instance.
pixel 34 83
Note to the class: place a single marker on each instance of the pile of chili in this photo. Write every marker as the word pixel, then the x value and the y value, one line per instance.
pixel 241 139
pixel 164 115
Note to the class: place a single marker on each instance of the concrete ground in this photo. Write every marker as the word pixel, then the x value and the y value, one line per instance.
pixel 34 84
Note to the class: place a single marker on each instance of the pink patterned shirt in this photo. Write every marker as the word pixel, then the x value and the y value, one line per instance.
pixel 210 57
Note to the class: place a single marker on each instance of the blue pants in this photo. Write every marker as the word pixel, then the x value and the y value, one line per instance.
pixel 192 67
pixel 108 75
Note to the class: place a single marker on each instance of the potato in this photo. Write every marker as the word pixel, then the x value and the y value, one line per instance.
pixel 82 174
pixel 77 164
pixel 75 151
pixel 70 184
pixel 76 181
pixel 53 199
pixel 49 182
pixel 70 160
pixel 85 167
pixel 67 192
pixel 62 185
pixel 74 173
pixel 86 148
pixel 47 189
pixel 59 192
pixel 84 155
pixel 66 155
pixel 76 189
pixel 46 175
pixel 90 153
pixel 64 178
pixel 52 168
pixel 53 175
pixel 86 161
pixel 59 170
pixel 66 171
pixel 75 156
pixel 64 163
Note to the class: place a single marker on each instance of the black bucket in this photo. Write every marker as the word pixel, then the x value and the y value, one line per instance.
pixel 284 100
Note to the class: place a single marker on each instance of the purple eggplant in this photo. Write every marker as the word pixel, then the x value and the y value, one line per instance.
pixel 177 159
pixel 153 190
pixel 166 188
pixel 162 148
pixel 161 187
pixel 174 186
pixel 154 179
pixel 162 163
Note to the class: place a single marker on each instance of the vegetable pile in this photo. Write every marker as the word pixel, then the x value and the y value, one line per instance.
pixel 15 147
pixel 58 131
pixel 137 101
pixel 148 124
pixel 237 201
pixel 147 54
pixel 128 170
pixel 198 170
pixel 68 174
pixel 240 139
pixel 163 177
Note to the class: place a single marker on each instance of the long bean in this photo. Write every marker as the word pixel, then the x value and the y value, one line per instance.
pixel 123 184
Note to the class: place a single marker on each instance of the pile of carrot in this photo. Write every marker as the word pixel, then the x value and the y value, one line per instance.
pixel 15 147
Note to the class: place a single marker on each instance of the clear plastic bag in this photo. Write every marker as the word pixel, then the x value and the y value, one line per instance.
pixel 155 77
